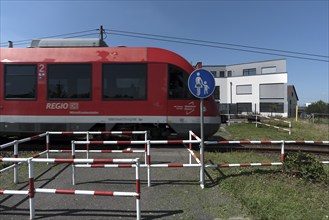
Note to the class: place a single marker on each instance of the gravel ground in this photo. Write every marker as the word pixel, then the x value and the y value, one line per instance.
pixel 175 192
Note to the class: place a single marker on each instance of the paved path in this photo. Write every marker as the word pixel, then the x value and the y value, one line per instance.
pixel 175 192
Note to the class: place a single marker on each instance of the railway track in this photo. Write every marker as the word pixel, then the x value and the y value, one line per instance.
pixel 310 148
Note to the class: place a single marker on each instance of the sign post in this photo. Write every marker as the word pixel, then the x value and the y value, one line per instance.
pixel 201 84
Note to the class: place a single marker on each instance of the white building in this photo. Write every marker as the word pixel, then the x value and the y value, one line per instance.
pixel 253 87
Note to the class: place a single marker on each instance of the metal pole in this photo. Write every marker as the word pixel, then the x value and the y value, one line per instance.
pixel 202 174
pixel 296 114
pixel 190 147
pixel 87 146
pixel 138 190
pixel 282 151
pixel 148 163
pixel 16 165
pixel 73 157
pixel 31 188
pixel 101 32
pixel 256 120
pixel 47 144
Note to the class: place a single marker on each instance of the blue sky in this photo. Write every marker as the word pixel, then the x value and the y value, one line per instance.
pixel 300 26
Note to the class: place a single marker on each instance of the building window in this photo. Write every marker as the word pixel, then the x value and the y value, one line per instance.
pixel 272 91
pixel 217 93
pixel 214 73
pixel 275 107
pixel 69 81
pixel 229 73
pixel 269 70
pixel 244 107
pixel 249 72
pixel 20 81
pixel 124 81
pixel 222 74
pixel 244 89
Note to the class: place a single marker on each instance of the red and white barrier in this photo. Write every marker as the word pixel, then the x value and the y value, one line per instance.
pixel 193 139
pixel 88 133
pixel 282 142
pixel 96 132
pixel 146 151
pixel 98 151
pixel 273 126
pixel 244 165
pixel 32 190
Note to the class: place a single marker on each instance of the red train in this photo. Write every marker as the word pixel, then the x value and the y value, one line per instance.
pixel 58 87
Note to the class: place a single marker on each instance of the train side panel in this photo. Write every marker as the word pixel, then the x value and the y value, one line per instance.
pixel 152 108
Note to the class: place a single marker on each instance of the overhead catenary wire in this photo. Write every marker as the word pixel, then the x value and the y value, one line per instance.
pixel 189 41
pixel 67 35
pixel 216 46
pixel 214 42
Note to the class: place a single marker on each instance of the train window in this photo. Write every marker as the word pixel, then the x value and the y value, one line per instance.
pixel 124 81
pixel 69 81
pixel 20 81
pixel 178 88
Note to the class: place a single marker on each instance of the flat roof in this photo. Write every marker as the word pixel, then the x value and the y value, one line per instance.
pixel 263 61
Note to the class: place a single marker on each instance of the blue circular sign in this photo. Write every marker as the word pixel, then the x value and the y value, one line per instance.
pixel 201 83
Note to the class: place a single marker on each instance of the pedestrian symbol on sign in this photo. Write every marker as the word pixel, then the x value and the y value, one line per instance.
pixel 198 84
pixel 201 83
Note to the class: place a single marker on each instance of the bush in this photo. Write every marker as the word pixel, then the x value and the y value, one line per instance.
pixel 305 166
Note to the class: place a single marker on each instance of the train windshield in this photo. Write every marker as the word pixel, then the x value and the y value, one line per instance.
pixel 178 87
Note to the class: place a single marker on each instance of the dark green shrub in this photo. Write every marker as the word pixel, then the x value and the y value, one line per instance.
pixel 303 165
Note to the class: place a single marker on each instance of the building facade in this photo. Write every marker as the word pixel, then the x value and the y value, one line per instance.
pixel 256 87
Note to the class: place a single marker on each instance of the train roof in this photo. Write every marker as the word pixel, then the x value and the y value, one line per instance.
pixel 67 42
pixel 93 54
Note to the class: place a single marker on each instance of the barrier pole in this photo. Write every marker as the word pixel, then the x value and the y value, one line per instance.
pixel 31 190
pixel 87 146
pixel 145 148
pixel 282 150
pixel 202 173
pixel 256 121
pixel 16 164
pixel 47 143
pixel 138 190
pixel 190 146
pixel 73 167
pixel 148 164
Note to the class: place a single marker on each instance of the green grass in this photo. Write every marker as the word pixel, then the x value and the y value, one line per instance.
pixel 301 130
pixel 268 193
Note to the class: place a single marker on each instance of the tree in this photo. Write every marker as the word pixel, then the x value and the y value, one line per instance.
pixel 318 107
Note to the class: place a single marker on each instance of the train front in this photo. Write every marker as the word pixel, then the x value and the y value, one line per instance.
pixel 183 109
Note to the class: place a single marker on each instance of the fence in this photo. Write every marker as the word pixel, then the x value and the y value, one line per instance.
pixel 148 164
pixel 108 163
pixel 32 190
pixel 271 125
pixel 282 142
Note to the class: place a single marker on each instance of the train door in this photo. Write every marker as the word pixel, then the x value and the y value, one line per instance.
pixel 182 106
